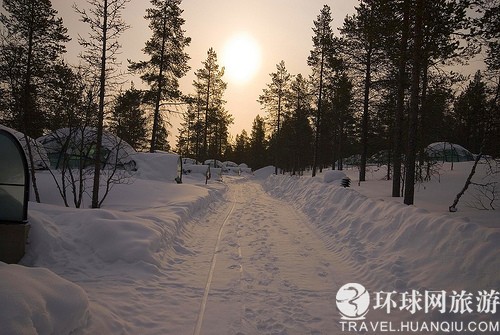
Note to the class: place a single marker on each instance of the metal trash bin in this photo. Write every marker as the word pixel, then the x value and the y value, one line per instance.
pixel 345 182
pixel 14 196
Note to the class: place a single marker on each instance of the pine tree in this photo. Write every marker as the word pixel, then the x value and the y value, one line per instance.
pixel 411 150
pixel 34 41
pixel 401 61
pixel 70 100
pixel 161 139
pixel 188 138
pixel 435 41
pixel 342 105
pixel 361 43
pixel 273 100
pixel 470 115
pixel 33 44
pixel 318 60
pixel 218 139
pixel 128 120
pixel 382 121
pixel 489 31
pixel 168 60
pixel 301 106
pixel 258 144
pixel 210 89
pixel 241 148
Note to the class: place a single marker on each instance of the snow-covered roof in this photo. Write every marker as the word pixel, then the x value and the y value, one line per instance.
pixel 229 164
pixel 214 163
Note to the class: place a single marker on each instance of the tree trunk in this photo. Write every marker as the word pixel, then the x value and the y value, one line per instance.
pixel 198 130
pixel 341 147
pixel 277 147
pixel 366 105
pixel 398 119
pixel 389 159
pixel 28 111
pixel 422 125
pixel 414 106
pixel 453 207
pixel 160 86
pixel 318 116
pixel 207 104
pixel 100 117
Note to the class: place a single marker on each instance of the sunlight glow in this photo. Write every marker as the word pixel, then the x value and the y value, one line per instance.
pixel 241 58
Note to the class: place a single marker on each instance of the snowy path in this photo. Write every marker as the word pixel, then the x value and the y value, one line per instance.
pixel 164 258
pixel 269 274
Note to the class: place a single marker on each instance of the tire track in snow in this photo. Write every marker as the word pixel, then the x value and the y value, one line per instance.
pixel 203 306
pixel 269 273
pixel 288 278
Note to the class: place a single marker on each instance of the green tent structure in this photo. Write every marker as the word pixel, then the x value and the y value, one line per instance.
pixel 75 147
pixel 448 152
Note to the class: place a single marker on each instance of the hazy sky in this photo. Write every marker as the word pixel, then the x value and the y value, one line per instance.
pixel 282 29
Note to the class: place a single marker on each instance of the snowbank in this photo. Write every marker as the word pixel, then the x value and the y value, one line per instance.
pixel 121 256
pixel 394 246
pixel 158 166
pixel 438 194
pixel 246 170
pixel 333 175
pixel 138 223
pixel 101 235
pixel 106 253
pixel 36 301
pixel 264 172
pixel 196 172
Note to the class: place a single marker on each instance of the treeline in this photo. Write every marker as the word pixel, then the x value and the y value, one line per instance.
pixel 40 92
pixel 381 84
pixel 384 85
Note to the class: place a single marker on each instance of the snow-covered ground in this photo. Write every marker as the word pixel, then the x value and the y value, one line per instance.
pixel 437 194
pixel 430 246
pixel 258 254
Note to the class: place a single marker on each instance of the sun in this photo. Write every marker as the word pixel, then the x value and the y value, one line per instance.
pixel 241 58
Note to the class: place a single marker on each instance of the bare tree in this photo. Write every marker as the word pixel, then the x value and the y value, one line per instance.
pixel 72 150
pixel 101 47
pixel 488 189
pixel 486 192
